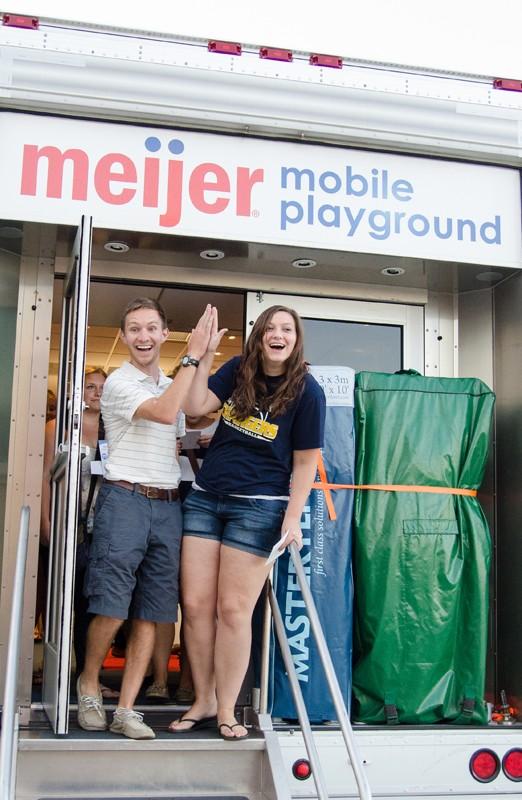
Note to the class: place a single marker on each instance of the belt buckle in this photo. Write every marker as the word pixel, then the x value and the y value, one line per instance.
pixel 151 493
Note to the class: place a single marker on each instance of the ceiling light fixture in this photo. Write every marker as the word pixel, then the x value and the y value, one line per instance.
pixel 117 247
pixel 488 277
pixel 212 254
pixel 304 263
pixel 10 232
pixel 393 272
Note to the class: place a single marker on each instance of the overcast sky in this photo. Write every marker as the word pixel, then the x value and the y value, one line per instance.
pixel 475 36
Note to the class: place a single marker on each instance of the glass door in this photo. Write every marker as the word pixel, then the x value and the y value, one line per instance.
pixel 65 482
pixel 382 337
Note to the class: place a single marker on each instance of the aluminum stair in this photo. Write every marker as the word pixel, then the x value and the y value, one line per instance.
pixel 85 765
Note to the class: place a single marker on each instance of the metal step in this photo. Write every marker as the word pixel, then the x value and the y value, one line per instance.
pixel 95 766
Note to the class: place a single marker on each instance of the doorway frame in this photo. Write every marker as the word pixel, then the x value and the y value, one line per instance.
pixel 39 268
pixel 410 318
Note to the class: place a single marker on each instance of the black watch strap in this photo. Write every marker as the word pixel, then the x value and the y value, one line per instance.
pixel 189 361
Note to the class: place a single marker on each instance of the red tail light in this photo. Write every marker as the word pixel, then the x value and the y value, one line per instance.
pixel 301 769
pixel 512 764
pixel 484 765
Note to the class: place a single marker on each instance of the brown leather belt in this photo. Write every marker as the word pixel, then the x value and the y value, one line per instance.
pixel 152 492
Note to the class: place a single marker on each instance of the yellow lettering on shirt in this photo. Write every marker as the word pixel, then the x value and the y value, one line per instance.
pixel 253 426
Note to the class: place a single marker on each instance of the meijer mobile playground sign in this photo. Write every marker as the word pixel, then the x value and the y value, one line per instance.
pixel 229 187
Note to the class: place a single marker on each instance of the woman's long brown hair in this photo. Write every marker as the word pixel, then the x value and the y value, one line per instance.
pixel 251 391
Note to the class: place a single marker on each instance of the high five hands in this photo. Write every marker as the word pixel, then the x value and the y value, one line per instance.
pixel 206 336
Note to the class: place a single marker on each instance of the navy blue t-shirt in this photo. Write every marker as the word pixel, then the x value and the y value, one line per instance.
pixel 254 456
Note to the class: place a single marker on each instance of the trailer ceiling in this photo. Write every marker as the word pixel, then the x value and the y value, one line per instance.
pixel 162 250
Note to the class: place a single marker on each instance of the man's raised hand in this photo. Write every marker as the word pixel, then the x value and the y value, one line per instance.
pixel 200 336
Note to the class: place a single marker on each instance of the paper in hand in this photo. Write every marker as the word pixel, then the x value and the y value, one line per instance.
pixel 276 549
pixel 190 440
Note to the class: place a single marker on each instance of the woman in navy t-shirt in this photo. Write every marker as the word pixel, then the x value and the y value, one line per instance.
pixel 271 429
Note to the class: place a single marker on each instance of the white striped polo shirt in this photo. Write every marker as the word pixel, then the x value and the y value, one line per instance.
pixel 140 451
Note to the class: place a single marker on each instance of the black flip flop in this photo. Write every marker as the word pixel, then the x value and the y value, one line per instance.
pixel 231 727
pixel 197 724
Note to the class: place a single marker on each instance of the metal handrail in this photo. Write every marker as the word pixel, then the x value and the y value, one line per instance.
pixel 331 679
pixel 304 722
pixel 10 712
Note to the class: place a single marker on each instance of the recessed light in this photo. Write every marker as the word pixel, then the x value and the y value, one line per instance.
pixel 10 232
pixel 231 337
pixel 393 272
pixel 212 255
pixel 117 247
pixel 304 263
pixel 218 353
pixel 488 277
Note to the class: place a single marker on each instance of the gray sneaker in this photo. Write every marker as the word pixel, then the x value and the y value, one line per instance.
pixel 91 713
pixel 130 723
pixel 156 691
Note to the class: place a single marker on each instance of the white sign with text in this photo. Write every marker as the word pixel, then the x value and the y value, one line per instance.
pixel 212 185
pixel 338 384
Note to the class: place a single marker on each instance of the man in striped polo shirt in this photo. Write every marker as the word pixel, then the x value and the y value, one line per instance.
pixel 134 557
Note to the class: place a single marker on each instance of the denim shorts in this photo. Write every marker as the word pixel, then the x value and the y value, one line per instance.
pixel 133 564
pixel 246 523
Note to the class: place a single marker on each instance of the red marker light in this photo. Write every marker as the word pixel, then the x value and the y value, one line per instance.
pixel 319 60
pixel 276 54
pixel 484 765
pixel 229 48
pixel 301 769
pixel 512 764
pixel 20 21
pixel 507 84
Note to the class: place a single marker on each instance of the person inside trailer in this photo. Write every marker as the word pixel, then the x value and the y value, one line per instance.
pixel 92 433
pixel 198 433
pixel 43 559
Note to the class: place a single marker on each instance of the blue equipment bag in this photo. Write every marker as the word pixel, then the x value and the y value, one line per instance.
pixel 326 556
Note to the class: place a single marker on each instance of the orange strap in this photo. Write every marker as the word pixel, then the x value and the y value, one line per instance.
pixel 324 485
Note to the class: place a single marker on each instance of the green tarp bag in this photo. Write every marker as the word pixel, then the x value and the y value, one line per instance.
pixel 421 560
